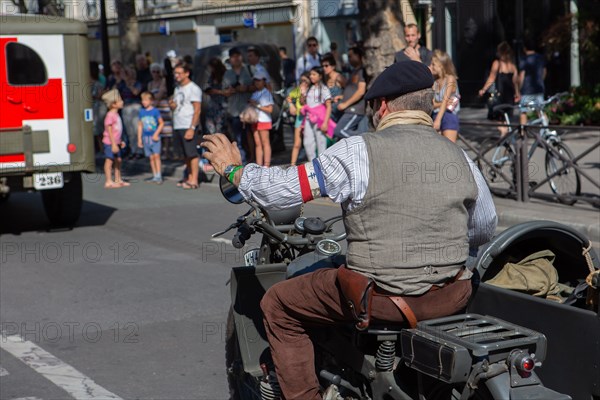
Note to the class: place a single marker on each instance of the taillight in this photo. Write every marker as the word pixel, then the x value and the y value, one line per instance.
pixel 527 364
pixel 71 148
pixel 524 363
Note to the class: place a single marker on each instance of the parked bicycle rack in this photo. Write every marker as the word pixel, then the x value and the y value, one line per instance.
pixel 519 185
pixel 568 163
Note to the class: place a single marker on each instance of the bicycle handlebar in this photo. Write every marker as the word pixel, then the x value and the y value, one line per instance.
pixel 535 106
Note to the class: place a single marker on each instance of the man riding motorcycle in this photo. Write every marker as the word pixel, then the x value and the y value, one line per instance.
pixel 413 205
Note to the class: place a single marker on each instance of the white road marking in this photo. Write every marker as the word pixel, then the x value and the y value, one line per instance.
pixel 56 371
pixel 28 398
pixel 3 372
pixel 221 240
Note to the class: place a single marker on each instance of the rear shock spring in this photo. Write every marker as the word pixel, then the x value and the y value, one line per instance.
pixel 386 353
pixel 269 388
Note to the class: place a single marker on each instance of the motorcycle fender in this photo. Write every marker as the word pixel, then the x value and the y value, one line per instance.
pixel 248 286
pixel 500 388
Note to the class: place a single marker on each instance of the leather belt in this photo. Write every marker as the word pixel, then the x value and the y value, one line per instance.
pixel 405 309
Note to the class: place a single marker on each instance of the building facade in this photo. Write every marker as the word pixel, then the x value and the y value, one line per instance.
pixel 469 30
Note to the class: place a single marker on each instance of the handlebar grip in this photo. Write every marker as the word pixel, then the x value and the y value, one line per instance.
pixel 239 239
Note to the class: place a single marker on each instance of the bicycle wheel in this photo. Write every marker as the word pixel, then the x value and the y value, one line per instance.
pixel 566 183
pixel 499 164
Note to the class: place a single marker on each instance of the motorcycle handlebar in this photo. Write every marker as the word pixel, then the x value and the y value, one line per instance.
pixel 276 232
pixel 294 241
pixel 243 233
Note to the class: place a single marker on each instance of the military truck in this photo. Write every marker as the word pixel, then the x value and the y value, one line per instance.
pixel 46 116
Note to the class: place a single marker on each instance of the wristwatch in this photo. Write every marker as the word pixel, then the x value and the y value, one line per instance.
pixel 230 171
pixel 193 127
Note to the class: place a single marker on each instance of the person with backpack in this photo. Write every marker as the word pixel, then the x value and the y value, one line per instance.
pixel 310 59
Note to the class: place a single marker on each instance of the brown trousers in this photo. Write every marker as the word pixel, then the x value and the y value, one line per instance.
pixel 315 299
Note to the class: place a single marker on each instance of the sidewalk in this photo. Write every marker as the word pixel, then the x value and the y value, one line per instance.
pixel 581 216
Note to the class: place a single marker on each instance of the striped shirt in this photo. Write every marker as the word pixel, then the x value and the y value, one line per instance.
pixel 345 168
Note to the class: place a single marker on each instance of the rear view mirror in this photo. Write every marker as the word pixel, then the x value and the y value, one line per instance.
pixel 230 191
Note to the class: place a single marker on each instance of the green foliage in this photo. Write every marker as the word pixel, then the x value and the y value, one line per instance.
pixel 580 107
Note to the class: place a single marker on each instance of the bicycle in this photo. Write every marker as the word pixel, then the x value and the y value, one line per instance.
pixel 563 178
pixel 283 113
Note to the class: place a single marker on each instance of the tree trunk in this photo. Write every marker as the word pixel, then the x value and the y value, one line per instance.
pixel 128 31
pixel 382 32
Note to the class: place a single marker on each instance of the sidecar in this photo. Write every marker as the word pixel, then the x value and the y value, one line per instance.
pixel 573 356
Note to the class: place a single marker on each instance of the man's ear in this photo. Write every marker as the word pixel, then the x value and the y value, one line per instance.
pixel 383 107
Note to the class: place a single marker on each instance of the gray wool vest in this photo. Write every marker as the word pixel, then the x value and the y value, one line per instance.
pixel 410 231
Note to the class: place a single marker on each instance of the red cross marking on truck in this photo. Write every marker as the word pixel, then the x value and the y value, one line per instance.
pixel 27 102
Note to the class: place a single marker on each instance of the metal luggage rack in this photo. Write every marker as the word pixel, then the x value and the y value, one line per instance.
pixel 485 336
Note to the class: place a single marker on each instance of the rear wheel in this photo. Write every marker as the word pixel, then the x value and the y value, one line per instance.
pixel 63 206
pixel 497 164
pixel 566 183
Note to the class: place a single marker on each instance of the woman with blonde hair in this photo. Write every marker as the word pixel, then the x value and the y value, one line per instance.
pixel 446 99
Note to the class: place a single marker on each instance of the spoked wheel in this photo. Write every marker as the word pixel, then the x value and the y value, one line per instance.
pixel 499 165
pixel 566 183
pixel 242 386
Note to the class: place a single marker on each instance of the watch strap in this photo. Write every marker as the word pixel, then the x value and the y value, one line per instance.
pixel 231 175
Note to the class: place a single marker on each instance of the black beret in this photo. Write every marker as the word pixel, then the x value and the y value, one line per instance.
pixel 400 78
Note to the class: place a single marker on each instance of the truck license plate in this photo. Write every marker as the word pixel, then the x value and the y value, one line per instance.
pixel 51 180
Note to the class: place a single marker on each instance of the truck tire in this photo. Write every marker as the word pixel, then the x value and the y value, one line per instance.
pixel 63 206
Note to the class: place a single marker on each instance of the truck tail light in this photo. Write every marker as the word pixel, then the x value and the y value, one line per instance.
pixel 71 148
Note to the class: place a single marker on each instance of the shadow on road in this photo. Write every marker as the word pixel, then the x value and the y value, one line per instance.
pixel 24 212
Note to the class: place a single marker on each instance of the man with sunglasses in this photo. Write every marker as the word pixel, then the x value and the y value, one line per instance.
pixel 414 205
pixel 310 59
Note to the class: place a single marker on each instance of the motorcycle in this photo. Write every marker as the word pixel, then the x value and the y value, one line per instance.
pixel 456 357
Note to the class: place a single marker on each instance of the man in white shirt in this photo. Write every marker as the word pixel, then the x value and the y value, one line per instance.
pixel 185 104
pixel 310 59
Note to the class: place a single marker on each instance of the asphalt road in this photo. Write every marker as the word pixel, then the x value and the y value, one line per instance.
pixel 134 299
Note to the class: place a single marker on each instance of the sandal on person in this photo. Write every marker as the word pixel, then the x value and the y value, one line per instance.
pixel 181 182
pixel 189 186
pixel 112 185
pixel 123 184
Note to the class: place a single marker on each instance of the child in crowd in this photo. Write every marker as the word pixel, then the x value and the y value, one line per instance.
pixel 295 99
pixel 318 113
pixel 149 127
pixel 446 100
pixel 263 101
pixel 113 128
